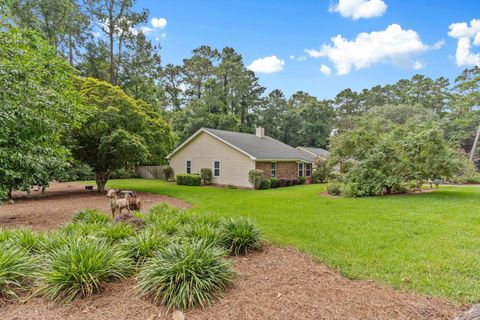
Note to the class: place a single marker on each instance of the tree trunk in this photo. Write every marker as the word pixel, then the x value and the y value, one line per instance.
pixel 388 189
pixel 101 179
pixel 475 142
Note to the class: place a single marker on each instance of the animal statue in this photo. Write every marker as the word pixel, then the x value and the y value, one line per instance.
pixel 134 202
pixel 118 204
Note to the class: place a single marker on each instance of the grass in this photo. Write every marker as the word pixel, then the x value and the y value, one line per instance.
pixel 427 243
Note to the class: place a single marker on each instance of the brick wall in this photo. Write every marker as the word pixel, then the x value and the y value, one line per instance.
pixel 284 169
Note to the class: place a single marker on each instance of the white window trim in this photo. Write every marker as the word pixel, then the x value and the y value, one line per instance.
pixel 186 166
pixel 271 170
pixel 219 169
pixel 311 169
pixel 298 169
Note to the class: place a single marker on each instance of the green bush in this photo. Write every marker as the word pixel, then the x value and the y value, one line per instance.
pixel 202 231
pixel 206 175
pixel 240 236
pixel 274 183
pixel 322 171
pixel 17 268
pixel 265 184
pixel 168 173
pixel 189 179
pixel 116 232
pixel 334 188
pixel 143 245
pixel 26 239
pixel 76 171
pixel 123 173
pixel 78 269
pixel 302 180
pixel 255 177
pixel 90 216
pixel 184 275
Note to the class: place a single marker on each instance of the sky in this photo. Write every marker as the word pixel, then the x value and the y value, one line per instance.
pixel 321 46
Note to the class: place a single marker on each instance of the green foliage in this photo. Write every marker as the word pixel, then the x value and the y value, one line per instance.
pixel 302 180
pixel 168 173
pixel 334 188
pixel 185 275
pixel 322 171
pixel 90 216
pixel 274 183
pixel 123 173
pixel 76 171
pixel 144 244
pixel 265 184
pixel 240 236
pixel 206 175
pixel 202 231
pixel 25 239
pixel 116 232
pixel 118 130
pixel 188 179
pixel 78 269
pixel 38 104
pixel 17 269
pixel 255 177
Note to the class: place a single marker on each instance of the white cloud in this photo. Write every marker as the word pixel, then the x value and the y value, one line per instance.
pixel 269 64
pixel 159 23
pixel 438 44
pixel 463 32
pixel 418 65
pixel 325 70
pixel 357 9
pixel 146 30
pixel 292 57
pixel 393 45
pixel 301 58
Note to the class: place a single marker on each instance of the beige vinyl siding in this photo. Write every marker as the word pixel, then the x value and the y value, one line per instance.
pixel 203 150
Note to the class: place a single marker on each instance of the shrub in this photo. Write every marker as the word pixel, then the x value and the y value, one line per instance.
pixel 16 269
pixel 184 275
pixel 289 182
pixel 206 175
pixel 128 218
pixel 78 269
pixel 90 216
pixel 189 179
pixel 82 229
pixel 273 183
pixel 334 188
pixel 255 177
pixel 302 180
pixel 322 171
pixel 144 245
pixel 203 231
pixel 77 171
pixel 295 182
pixel 282 182
pixel 265 184
pixel 168 173
pixel 26 239
pixel 116 232
pixel 123 173
pixel 240 236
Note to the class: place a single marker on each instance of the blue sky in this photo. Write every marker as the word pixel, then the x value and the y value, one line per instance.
pixel 410 36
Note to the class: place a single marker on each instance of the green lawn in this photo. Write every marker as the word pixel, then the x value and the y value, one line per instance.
pixel 428 243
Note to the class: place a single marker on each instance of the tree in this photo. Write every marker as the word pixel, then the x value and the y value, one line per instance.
pixel 117 20
pixel 38 103
pixel 117 131
pixel 94 61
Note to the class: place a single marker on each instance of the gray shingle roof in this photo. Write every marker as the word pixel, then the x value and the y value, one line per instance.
pixel 318 151
pixel 261 148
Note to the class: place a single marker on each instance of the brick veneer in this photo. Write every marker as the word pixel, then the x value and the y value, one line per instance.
pixel 286 170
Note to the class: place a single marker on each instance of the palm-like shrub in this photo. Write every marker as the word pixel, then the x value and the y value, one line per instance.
pixel 78 269
pixel 16 269
pixel 184 275
pixel 240 236
pixel 144 245
pixel 90 216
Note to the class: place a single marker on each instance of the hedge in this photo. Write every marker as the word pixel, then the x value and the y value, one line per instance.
pixel 265 184
pixel 189 179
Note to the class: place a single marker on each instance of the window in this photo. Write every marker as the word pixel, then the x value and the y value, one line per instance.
pixel 273 169
pixel 189 166
pixel 308 170
pixel 216 168
pixel 300 169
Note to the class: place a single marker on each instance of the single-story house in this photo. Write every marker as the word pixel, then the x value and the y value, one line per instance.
pixel 231 155
pixel 315 152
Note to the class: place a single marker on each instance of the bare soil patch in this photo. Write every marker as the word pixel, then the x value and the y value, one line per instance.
pixel 277 283
pixel 54 207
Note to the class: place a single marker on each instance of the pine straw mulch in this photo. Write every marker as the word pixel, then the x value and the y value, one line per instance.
pixel 277 283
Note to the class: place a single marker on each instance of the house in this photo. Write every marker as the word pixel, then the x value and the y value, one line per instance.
pixel 315 152
pixel 231 155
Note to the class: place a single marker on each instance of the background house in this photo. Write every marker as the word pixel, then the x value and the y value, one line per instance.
pixel 231 155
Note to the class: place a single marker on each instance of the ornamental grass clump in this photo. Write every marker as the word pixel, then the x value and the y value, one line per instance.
pixel 26 239
pixel 144 245
pixel 202 231
pixel 80 268
pixel 116 232
pixel 17 269
pixel 90 216
pixel 240 236
pixel 185 275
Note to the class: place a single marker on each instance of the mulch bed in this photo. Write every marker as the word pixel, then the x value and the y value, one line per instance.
pixel 276 283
